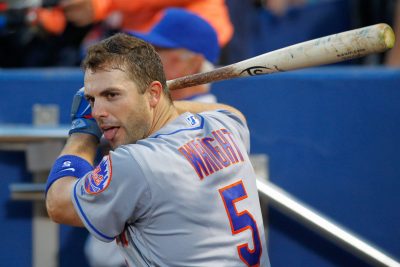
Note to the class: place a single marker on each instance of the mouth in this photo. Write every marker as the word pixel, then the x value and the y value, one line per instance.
pixel 109 132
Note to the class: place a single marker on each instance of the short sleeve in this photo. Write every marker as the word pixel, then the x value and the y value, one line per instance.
pixel 115 192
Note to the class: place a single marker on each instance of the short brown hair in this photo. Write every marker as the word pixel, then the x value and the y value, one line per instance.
pixel 131 54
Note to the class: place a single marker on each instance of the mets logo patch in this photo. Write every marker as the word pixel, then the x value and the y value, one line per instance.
pixel 100 178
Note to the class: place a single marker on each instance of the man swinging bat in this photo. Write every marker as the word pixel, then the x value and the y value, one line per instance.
pixel 178 189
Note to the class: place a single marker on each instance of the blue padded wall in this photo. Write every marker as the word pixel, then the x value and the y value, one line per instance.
pixel 20 90
pixel 332 135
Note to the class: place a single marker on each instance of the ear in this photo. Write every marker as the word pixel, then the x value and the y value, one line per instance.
pixel 154 93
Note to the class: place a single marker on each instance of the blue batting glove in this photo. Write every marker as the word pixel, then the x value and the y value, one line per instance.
pixel 81 115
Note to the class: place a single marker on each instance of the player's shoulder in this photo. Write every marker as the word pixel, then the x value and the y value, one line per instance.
pixel 130 160
pixel 225 116
pixel 123 155
pixel 130 151
pixel 232 122
pixel 138 153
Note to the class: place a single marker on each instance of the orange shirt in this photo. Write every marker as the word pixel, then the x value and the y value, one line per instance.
pixel 141 15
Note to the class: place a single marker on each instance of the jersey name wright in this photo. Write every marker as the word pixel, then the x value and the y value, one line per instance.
pixel 212 153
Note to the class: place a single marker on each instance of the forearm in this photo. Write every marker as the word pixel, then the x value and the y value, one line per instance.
pixel 58 198
pixel 197 107
pixel 81 145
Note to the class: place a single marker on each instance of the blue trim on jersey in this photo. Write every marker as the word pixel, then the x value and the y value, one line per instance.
pixel 86 218
pixel 186 129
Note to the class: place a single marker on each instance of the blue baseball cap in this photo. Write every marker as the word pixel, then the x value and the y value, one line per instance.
pixel 179 28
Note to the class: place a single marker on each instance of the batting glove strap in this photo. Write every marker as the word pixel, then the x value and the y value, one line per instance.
pixel 89 126
pixel 68 165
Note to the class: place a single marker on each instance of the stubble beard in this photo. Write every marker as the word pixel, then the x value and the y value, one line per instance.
pixel 136 128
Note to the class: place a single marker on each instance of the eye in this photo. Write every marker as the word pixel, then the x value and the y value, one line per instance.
pixel 90 100
pixel 111 95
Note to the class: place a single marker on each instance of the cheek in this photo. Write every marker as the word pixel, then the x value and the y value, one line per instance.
pixel 118 111
pixel 137 118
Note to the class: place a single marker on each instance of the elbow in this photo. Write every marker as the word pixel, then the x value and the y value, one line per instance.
pixel 52 210
pixel 58 202
pixel 59 205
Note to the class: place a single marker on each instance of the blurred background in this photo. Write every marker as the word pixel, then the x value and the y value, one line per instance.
pixel 329 136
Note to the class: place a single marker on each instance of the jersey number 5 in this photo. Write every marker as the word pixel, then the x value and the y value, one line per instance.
pixel 241 221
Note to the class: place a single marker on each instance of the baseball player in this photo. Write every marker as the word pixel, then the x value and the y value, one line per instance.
pixel 186 44
pixel 178 189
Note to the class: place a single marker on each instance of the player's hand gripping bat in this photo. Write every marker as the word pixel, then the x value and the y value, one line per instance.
pixel 325 50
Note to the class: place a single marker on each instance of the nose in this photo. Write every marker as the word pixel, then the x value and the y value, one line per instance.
pixel 99 110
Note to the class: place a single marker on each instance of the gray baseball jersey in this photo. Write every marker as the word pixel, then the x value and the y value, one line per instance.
pixel 184 196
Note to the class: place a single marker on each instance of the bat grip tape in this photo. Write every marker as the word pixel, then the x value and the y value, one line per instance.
pixel 68 165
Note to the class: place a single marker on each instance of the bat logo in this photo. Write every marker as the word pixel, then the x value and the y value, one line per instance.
pixel 255 70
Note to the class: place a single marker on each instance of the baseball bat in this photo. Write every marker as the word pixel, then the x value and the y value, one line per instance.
pixel 325 50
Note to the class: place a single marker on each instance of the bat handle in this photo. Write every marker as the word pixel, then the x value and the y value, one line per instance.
pixel 223 73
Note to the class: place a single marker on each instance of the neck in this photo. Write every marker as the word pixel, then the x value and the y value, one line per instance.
pixel 164 113
pixel 189 91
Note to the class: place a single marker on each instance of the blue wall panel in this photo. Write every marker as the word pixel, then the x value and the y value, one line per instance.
pixel 20 90
pixel 23 88
pixel 15 217
pixel 331 135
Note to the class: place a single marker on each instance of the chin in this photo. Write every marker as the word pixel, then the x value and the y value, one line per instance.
pixel 115 144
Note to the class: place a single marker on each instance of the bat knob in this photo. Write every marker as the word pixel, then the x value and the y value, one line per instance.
pixel 388 36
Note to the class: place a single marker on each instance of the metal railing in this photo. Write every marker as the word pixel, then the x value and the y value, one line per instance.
pixel 327 228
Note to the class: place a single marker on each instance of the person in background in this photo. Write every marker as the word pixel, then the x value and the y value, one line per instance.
pixel 57 32
pixel 186 44
pixel 142 15
pixel 37 34
pixel 280 7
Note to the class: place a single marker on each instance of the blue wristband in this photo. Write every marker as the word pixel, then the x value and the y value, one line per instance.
pixel 68 165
